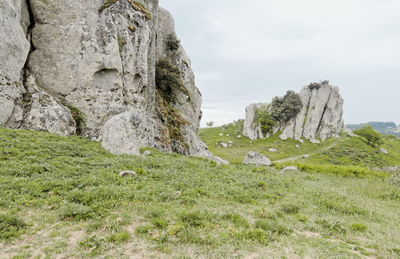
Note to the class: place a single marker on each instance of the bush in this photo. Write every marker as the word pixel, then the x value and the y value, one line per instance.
pixel 290 209
pixel 168 79
pixel 265 119
pixel 172 43
pixel 122 237
pixel 10 226
pixel 358 227
pixel 317 86
pixel 77 211
pixel 272 227
pixel 370 135
pixel 284 108
pixel 339 170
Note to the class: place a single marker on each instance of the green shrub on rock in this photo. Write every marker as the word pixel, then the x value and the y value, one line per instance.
pixel 287 107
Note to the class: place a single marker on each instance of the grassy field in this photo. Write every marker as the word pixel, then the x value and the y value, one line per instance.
pixel 62 197
pixel 337 152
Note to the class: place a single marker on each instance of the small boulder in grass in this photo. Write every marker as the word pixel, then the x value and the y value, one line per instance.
pixel 384 151
pixel 272 150
pixel 127 173
pixel 290 168
pixel 254 158
pixel 146 153
pixel 315 141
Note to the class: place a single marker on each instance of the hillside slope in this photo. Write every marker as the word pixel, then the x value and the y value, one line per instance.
pixel 343 151
pixel 63 196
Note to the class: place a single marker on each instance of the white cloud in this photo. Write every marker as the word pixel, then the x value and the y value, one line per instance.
pixel 246 51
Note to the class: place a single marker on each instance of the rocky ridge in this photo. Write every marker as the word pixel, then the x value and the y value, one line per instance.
pixel 321 116
pixel 89 68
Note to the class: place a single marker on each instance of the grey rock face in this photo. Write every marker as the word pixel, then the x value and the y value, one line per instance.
pixel 320 117
pixel 73 56
pixel 253 158
pixel 125 133
pixel 46 113
pixel 251 129
pixel 14 49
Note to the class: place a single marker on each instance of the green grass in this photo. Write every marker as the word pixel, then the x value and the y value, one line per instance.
pixel 63 196
pixel 340 156
pixel 241 146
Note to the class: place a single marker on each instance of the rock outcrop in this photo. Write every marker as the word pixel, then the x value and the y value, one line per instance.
pixel 253 158
pixel 89 67
pixel 320 117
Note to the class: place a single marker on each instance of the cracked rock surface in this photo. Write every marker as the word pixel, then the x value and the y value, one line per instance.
pixel 320 117
pixel 78 66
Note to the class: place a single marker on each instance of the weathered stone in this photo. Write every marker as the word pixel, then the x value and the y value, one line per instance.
pixel 14 49
pixel 384 151
pixel 251 128
pixel 46 114
pixel 315 141
pixel 146 153
pixel 253 158
pixel 100 61
pixel 125 133
pixel 321 116
pixel 290 168
pixel 127 173
pixel 272 150
pixel 283 137
pixel 306 156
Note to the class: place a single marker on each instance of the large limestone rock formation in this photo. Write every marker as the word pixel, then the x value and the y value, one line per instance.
pixel 320 117
pixel 88 67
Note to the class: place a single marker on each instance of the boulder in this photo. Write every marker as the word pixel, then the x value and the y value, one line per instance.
pixel 384 151
pixel 123 134
pixel 146 153
pixel 290 168
pixel 315 141
pixel 253 158
pixel 284 137
pixel 272 150
pixel 127 173
pixel 306 156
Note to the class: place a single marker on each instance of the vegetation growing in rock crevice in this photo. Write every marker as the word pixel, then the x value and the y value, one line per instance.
pixel 265 119
pixel 138 6
pixel 107 4
pixel 77 116
pixel 168 80
pixel 281 110
pixel 121 43
pixel 287 107
pixel 173 123
pixel 317 86
pixel 172 43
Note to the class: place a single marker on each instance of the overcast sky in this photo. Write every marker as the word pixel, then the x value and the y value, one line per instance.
pixel 246 51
